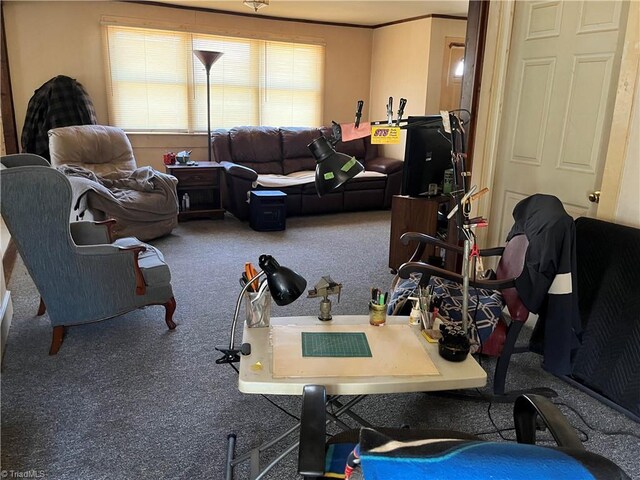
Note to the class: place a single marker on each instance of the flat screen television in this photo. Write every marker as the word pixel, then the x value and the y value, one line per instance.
pixel 427 155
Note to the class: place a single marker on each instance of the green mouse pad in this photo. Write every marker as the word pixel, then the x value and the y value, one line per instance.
pixel 341 344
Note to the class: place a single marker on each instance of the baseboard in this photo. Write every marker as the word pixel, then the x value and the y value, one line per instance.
pixel 6 314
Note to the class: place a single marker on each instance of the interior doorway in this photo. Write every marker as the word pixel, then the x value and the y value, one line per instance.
pixel 559 91
pixel 452 73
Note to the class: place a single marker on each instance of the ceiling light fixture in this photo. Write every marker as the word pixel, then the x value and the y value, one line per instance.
pixel 256 4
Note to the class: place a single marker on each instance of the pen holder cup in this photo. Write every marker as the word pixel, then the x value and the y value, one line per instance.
pixel 258 308
pixel 377 314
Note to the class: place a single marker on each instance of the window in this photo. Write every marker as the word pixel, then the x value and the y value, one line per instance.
pixel 157 84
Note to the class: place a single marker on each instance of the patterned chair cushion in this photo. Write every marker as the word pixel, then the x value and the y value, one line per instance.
pixel 401 290
pixel 488 312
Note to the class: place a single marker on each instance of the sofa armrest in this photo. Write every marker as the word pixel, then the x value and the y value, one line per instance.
pixel 240 171
pixel 384 165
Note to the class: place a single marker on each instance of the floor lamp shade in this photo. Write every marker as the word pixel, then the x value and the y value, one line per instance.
pixel 208 58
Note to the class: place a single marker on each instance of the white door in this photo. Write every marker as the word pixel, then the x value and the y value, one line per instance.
pixel 559 94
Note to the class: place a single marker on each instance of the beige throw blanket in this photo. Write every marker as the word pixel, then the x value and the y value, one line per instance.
pixel 144 202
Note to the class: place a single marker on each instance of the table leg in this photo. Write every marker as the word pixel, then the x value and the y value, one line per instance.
pixel 231 448
pixel 361 421
pixel 253 455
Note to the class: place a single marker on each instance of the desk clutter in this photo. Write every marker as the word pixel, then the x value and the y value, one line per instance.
pixel 257 298
pixel 426 303
pixel 378 307
pixel 182 158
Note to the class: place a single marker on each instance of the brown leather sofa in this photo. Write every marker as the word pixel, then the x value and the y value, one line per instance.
pixel 247 153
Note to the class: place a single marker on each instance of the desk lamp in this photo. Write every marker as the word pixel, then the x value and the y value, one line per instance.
pixel 333 168
pixel 285 286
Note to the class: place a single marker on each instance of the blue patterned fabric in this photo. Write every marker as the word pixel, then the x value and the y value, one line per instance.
pixel 488 313
pixel 401 291
pixel 467 459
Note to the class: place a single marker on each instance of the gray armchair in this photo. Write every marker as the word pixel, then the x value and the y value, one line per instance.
pixel 82 276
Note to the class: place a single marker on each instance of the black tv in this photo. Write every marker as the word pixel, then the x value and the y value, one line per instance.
pixel 427 155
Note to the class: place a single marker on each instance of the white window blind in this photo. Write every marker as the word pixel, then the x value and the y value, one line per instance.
pixel 157 84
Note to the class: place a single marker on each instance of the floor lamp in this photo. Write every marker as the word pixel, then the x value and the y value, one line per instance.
pixel 208 58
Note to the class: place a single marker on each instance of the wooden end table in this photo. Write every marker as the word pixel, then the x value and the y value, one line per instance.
pixel 203 184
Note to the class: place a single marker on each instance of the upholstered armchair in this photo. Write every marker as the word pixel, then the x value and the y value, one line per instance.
pixel 82 276
pixel 107 183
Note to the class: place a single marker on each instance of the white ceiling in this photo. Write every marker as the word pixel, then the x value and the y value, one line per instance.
pixel 366 13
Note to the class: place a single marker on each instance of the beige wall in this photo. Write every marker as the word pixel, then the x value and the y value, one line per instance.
pixel 407 62
pixel 399 68
pixel 46 39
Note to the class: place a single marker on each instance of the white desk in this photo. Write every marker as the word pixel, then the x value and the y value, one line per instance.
pixel 452 375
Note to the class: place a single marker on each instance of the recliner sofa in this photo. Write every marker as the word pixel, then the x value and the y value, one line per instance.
pixel 252 155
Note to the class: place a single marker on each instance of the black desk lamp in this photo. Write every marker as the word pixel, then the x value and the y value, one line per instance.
pixel 285 286
pixel 208 58
pixel 332 168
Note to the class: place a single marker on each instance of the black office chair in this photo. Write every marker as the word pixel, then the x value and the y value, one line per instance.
pixel 392 454
pixel 501 342
pixel 538 251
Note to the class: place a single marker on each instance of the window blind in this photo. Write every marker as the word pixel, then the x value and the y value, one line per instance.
pixel 157 84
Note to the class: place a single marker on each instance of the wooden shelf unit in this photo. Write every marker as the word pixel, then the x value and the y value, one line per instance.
pixel 418 214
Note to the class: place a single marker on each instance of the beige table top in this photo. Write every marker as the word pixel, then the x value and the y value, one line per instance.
pixel 259 379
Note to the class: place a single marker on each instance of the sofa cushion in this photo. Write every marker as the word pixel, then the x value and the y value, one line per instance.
pixel 220 146
pixel 367 182
pixel 295 151
pixel 354 148
pixel 290 165
pixel 257 147
pixel 295 141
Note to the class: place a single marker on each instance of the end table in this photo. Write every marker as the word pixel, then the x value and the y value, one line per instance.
pixel 203 184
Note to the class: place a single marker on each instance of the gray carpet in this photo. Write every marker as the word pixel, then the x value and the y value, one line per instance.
pixel 126 398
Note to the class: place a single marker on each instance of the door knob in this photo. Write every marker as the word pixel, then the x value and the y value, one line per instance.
pixel 594 197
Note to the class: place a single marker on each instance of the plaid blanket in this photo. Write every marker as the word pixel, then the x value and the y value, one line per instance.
pixel 60 102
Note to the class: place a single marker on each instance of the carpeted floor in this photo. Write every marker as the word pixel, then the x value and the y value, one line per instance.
pixel 126 398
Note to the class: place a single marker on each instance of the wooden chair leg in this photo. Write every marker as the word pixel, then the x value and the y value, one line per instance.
pixel 56 339
pixel 41 308
pixel 170 307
